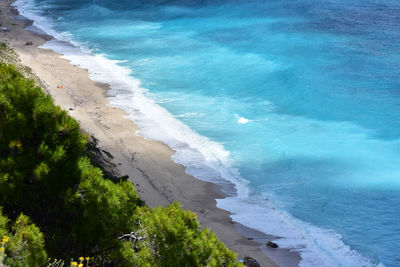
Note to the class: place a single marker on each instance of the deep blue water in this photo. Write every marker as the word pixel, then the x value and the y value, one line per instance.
pixel 303 95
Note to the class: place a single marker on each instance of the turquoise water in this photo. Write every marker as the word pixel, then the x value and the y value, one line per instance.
pixel 295 102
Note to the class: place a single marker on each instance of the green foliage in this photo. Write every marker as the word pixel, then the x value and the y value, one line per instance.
pixel 40 149
pixel 175 239
pixel 45 173
pixel 105 210
pixel 40 144
pixel 26 243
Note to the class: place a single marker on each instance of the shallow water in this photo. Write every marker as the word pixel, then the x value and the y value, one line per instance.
pixel 296 102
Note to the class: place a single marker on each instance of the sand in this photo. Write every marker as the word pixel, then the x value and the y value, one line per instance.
pixel 158 180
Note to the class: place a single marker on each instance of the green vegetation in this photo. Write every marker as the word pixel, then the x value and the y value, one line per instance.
pixel 56 204
pixel 26 245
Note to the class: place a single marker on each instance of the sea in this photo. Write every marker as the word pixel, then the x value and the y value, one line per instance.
pixel 295 102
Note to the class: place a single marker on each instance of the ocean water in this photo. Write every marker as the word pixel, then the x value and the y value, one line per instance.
pixel 296 102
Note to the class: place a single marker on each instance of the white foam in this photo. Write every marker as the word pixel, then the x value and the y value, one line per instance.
pixel 318 247
pixel 203 158
pixel 190 114
pixel 243 120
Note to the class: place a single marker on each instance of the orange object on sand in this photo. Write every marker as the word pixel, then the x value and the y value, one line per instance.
pixel 59 86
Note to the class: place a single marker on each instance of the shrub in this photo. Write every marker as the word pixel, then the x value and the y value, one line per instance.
pixel 23 243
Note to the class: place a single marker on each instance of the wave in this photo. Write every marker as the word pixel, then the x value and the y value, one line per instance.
pixel 203 158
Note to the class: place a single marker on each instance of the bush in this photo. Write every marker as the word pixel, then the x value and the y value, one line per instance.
pixel 175 239
pixel 40 147
pixel 24 243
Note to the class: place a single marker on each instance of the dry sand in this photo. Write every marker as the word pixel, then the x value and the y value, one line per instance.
pixel 158 180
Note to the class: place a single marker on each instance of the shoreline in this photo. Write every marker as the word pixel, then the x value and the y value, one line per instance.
pixel 158 180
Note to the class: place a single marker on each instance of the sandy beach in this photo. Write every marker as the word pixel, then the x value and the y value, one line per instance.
pixel 158 180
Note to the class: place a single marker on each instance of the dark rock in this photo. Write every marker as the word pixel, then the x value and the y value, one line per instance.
pixel 102 160
pixel 272 244
pixel 108 154
pixel 124 178
pixel 29 43
pixel 250 262
pixel 250 238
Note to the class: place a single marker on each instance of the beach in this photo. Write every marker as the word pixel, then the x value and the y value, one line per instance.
pixel 158 180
